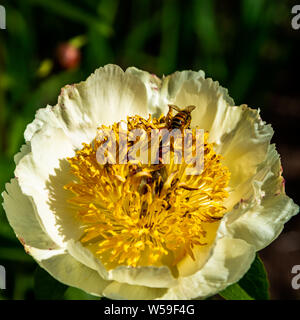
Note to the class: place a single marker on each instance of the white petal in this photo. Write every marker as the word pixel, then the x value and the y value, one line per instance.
pixel 246 146
pixel 164 92
pixel 109 95
pixel 260 216
pixel 191 88
pixel 23 219
pixel 69 271
pixel 230 260
pixel 153 86
pixel 153 277
pixel 173 83
pixel 123 291
pixel 188 266
pixel 36 169
pixel 25 149
pixel 70 120
pixel 86 257
pixel 239 133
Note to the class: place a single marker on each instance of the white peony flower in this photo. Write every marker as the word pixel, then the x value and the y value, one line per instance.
pixel 116 230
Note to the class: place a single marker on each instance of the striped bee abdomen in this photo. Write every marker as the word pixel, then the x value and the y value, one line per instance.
pixel 181 120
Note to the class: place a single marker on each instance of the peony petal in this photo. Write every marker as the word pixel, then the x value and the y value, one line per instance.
pixel 64 268
pixel 153 86
pixel 262 224
pixel 34 171
pixel 59 117
pixel 123 291
pixel 239 133
pixel 153 277
pixel 173 83
pixel 86 257
pixel 109 95
pixel 23 219
pixel 25 149
pixel 230 260
pixel 188 266
pixel 246 146
pixel 162 92
pixel 260 216
pixel 191 88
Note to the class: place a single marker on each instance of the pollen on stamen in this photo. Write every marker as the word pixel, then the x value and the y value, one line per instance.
pixel 138 214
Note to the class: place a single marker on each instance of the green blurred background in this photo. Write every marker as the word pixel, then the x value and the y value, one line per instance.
pixel 249 46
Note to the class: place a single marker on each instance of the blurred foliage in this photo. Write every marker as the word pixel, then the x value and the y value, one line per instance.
pixel 243 44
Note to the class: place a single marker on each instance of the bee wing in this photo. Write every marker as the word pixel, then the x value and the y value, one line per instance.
pixel 173 106
pixel 190 108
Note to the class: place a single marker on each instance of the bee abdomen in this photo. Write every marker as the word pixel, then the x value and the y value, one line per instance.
pixel 177 122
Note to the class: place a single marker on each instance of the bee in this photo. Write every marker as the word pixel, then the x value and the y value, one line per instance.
pixel 181 120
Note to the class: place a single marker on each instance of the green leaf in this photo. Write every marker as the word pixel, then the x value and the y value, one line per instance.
pixel 253 286
pixel 235 292
pixel 46 287
pixel 77 294
pixel 255 282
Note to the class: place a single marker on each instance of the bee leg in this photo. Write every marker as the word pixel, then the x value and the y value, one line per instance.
pixel 169 116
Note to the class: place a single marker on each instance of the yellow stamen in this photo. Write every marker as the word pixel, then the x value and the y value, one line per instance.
pixel 145 215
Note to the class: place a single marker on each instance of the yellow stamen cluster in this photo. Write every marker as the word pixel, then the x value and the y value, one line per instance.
pixel 140 215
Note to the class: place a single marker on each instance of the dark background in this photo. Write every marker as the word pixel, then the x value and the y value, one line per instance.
pixel 249 46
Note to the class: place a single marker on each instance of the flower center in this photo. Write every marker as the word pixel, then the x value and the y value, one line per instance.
pixel 138 214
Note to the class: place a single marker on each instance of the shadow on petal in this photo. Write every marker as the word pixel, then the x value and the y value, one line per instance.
pixel 70 227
